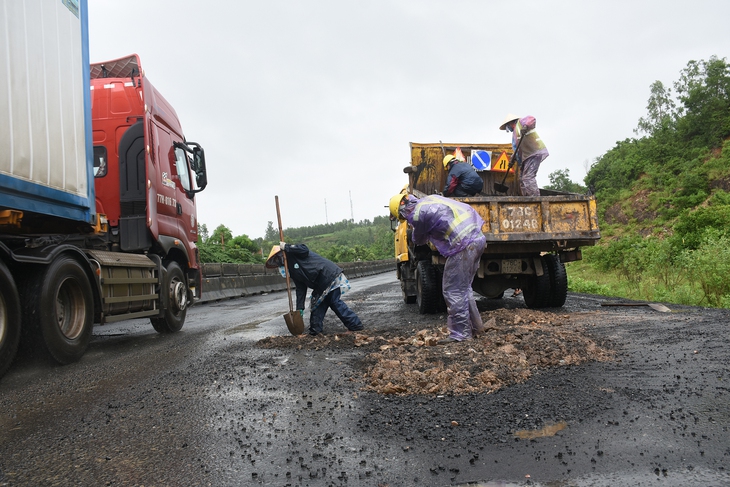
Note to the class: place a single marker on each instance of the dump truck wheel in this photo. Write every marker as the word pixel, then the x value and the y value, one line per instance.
pixel 9 319
pixel 59 308
pixel 427 296
pixel 537 290
pixel 174 285
pixel 558 281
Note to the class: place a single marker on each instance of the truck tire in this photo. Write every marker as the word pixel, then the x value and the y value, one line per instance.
pixel 59 308
pixel 176 289
pixel 558 281
pixel 428 287
pixel 537 290
pixel 9 319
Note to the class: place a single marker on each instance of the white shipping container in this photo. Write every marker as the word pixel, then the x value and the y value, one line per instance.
pixel 45 122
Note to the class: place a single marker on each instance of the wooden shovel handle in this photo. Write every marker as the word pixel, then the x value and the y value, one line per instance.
pixel 286 267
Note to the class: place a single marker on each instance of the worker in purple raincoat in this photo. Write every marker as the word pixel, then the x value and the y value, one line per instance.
pixel 532 151
pixel 455 229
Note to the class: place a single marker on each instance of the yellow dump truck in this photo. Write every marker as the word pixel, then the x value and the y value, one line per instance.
pixel 529 238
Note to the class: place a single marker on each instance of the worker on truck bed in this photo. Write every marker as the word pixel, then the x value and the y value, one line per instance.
pixel 462 180
pixel 531 152
pixel 310 270
pixel 455 229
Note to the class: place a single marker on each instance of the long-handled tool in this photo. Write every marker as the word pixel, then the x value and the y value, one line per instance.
pixel 501 187
pixel 294 321
pixel 654 306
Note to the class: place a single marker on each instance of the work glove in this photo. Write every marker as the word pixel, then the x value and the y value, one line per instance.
pixel 281 244
pixel 301 312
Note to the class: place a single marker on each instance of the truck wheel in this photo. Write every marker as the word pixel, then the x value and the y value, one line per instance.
pixel 58 304
pixel 558 281
pixel 176 288
pixel 427 296
pixel 9 319
pixel 537 290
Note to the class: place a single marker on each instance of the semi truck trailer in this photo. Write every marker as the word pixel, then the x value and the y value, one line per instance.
pixel 98 218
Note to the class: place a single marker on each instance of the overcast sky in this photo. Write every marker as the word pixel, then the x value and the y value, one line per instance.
pixel 316 101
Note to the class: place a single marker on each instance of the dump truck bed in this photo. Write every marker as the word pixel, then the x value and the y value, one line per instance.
pixel 552 222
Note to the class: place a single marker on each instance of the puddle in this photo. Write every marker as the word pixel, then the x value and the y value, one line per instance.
pixel 544 432
pixel 244 327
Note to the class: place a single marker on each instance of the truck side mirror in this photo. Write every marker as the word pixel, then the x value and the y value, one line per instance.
pixel 198 165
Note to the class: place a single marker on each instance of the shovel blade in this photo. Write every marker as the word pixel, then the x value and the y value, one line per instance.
pixel 654 306
pixel 500 188
pixel 295 322
pixel 659 307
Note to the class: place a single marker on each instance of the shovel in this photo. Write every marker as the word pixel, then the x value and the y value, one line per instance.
pixel 654 306
pixel 502 188
pixel 294 321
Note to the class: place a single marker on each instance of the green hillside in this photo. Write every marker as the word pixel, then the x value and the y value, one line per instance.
pixel 343 241
pixel 664 198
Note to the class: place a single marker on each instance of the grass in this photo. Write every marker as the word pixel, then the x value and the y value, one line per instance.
pixel 584 278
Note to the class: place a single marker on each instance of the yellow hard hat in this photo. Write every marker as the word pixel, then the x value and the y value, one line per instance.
pixel 270 259
pixel 509 118
pixel 395 203
pixel 448 159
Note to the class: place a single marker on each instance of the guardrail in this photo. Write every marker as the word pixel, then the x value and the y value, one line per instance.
pixel 222 281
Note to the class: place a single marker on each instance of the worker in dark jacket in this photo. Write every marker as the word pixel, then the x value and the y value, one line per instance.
pixel 462 179
pixel 310 270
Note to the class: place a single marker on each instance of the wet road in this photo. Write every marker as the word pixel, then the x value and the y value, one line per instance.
pixel 207 406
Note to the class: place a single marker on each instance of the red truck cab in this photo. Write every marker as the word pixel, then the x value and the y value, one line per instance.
pixel 146 173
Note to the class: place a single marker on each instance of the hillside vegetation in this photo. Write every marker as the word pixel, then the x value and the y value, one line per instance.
pixel 343 241
pixel 664 198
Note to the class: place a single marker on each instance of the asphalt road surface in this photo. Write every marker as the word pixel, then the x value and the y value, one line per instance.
pixel 210 406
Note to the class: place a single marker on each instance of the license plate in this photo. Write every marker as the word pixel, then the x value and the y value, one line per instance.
pixel 511 266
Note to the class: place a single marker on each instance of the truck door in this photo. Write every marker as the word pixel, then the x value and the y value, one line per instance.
pixel 169 190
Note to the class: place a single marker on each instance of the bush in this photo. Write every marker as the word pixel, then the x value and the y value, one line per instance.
pixel 689 231
pixel 579 285
pixel 708 266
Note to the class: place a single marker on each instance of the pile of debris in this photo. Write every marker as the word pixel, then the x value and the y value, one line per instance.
pixel 515 344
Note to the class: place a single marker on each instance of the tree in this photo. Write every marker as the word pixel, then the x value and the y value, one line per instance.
pixel 244 243
pixel 202 233
pixel 660 111
pixel 271 235
pixel 704 91
pixel 560 181
pixel 221 235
